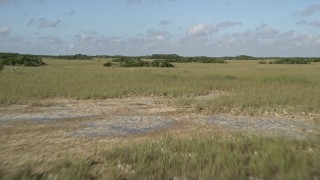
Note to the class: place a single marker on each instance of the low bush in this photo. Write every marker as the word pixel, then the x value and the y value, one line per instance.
pixel 161 63
pixel 130 62
pixel 1 67
pixel 291 61
pixel 107 64
pixel 25 60
pixel 73 57
pixel 137 62
pixel 315 60
pixel 170 58
pixel 199 59
pixel 263 62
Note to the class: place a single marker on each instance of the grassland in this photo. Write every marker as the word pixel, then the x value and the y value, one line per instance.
pixel 189 150
pixel 248 87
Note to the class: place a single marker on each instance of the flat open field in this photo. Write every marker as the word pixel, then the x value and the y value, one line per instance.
pixel 76 119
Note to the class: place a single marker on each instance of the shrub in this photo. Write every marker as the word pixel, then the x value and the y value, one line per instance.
pixel 137 62
pixel 133 63
pixel 25 60
pixel 107 64
pixel 1 67
pixel 74 57
pixel 262 62
pixel 161 63
pixel 315 60
pixel 200 59
pixel 291 61
pixel 129 62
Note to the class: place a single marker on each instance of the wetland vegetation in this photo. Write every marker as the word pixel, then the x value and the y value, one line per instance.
pixel 187 149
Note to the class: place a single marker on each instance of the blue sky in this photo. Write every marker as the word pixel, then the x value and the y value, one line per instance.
pixel 141 27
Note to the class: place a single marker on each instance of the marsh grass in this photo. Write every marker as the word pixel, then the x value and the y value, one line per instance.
pixel 209 157
pixel 249 85
pixel 194 156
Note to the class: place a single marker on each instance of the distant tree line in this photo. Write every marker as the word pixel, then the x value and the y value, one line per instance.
pixel 163 56
pixel 72 57
pixel 205 59
pixel 291 61
pixel 137 62
pixel 174 58
pixel 15 59
pixel 169 58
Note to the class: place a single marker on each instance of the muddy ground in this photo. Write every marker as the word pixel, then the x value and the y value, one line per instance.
pixel 44 130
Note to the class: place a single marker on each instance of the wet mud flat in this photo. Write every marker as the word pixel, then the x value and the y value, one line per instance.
pixel 289 128
pixel 123 125
pixel 140 115
pixel 96 118
pixel 44 131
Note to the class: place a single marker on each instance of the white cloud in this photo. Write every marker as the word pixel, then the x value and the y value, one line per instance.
pixel 153 35
pixel 201 29
pixel 312 9
pixel 43 23
pixel 31 21
pixel 314 23
pixel 54 40
pixel 283 44
pixel 264 40
pixel 302 22
pixel 7 37
pixel 297 41
pixel 264 31
pixel 229 24
pixel 5 31
pixel 164 22
pixel 70 13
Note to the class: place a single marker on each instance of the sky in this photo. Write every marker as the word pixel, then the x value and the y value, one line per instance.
pixel 143 27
